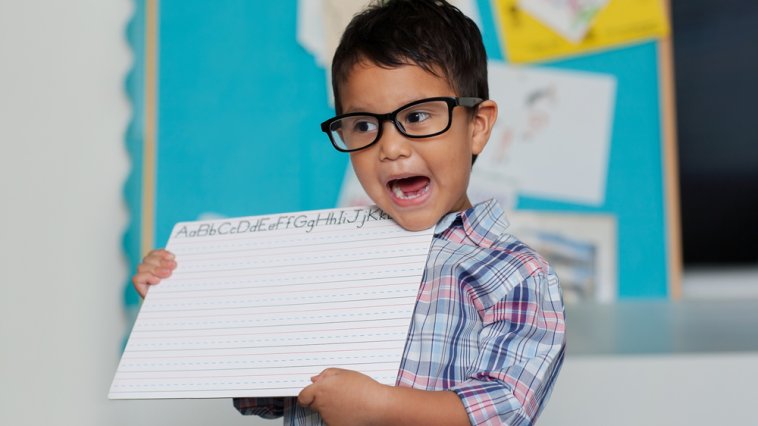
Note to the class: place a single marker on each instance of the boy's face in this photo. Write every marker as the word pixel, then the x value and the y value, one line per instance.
pixel 416 181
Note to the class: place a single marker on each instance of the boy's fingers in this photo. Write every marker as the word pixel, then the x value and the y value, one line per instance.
pixel 168 264
pixel 155 266
pixel 163 259
pixel 158 255
pixel 163 254
pixel 328 372
pixel 140 286
pixel 150 259
pixel 143 280
pixel 141 289
pixel 159 271
pixel 148 264
pixel 162 273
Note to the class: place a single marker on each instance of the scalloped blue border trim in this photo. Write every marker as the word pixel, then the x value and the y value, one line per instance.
pixel 134 85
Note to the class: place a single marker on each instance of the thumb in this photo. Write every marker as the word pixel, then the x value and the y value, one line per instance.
pixel 306 396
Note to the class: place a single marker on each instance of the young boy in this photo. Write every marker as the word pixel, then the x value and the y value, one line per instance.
pixel 487 337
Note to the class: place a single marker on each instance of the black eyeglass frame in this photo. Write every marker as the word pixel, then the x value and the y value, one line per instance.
pixel 452 102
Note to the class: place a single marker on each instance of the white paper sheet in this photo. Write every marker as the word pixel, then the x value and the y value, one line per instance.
pixel 552 136
pixel 310 29
pixel 320 24
pixel 258 305
pixel 570 18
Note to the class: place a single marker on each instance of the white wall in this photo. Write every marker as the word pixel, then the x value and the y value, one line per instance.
pixel 62 162
pixel 703 389
pixel 63 114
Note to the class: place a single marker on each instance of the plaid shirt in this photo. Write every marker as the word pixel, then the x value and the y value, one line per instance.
pixel 488 325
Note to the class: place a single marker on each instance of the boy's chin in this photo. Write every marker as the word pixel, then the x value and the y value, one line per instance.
pixel 415 222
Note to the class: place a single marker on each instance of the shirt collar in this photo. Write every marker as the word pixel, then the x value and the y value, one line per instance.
pixel 484 223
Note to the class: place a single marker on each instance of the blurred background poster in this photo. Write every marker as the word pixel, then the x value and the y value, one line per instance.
pixel 539 30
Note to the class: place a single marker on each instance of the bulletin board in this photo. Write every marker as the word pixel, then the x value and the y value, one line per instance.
pixel 226 112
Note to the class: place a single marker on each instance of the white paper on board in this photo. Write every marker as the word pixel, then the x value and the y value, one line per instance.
pixel 320 24
pixel 310 29
pixel 569 18
pixel 582 248
pixel 552 136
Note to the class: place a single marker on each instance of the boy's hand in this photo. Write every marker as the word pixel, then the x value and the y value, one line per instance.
pixel 156 266
pixel 344 397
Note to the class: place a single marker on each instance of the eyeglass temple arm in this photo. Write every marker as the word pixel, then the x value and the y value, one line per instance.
pixel 469 102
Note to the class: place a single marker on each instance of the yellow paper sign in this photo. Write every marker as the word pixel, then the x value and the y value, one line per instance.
pixel 620 22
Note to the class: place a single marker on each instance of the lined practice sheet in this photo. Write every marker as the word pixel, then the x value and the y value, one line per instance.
pixel 258 305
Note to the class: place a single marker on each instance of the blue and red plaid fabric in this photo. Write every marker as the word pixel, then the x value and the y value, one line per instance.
pixel 488 325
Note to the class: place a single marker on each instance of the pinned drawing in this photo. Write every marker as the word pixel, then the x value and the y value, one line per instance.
pixel 582 248
pixel 570 18
pixel 552 136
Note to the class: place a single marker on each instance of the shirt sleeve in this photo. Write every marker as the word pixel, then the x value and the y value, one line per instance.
pixel 268 408
pixel 521 347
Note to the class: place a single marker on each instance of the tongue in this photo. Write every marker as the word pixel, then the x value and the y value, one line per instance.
pixel 412 184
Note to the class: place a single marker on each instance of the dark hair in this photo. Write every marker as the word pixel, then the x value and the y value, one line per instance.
pixel 431 34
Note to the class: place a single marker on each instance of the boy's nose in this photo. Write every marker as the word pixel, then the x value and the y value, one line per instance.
pixel 393 144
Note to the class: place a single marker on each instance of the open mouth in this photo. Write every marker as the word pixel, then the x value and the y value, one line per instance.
pixel 409 188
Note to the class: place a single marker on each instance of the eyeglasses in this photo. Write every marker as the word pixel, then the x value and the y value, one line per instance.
pixel 423 118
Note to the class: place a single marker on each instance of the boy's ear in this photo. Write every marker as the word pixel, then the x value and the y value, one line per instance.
pixel 482 122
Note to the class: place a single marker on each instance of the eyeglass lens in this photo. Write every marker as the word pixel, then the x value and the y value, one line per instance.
pixel 424 119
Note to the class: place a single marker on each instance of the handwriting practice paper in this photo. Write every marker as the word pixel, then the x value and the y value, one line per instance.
pixel 258 305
